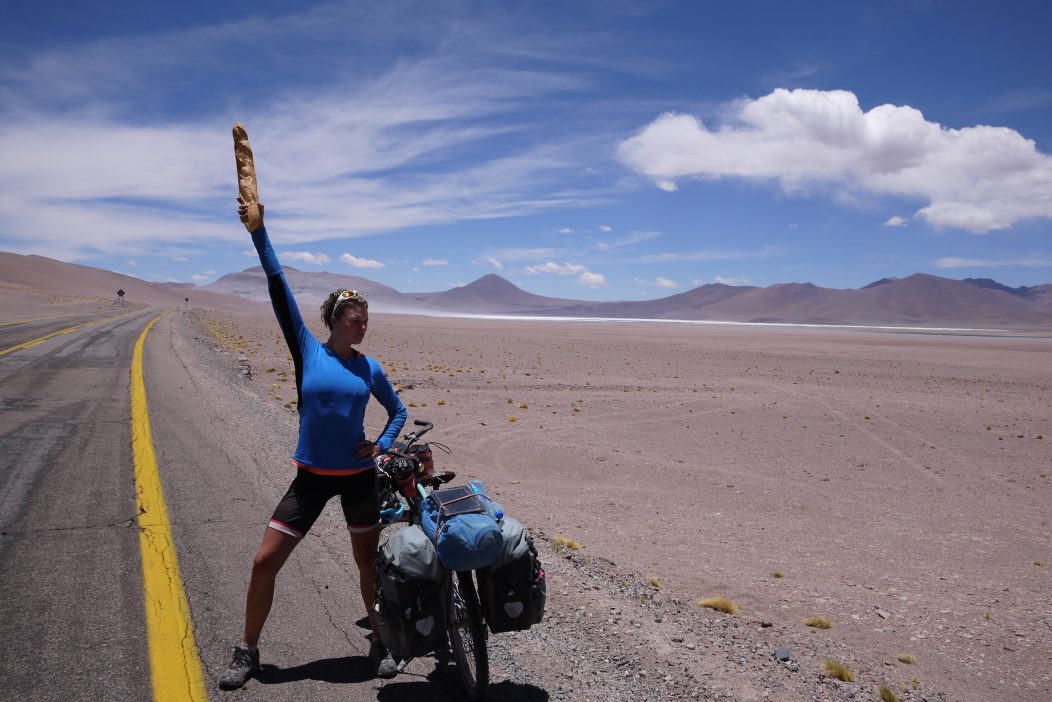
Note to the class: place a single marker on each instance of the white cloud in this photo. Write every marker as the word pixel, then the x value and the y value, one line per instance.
pixel 356 262
pixel 498 257
pixel 102 135
pixel 130 262
pixel 711 255
pixel 626 241
pixel 977 178
pixel 592 280
pixel 552 267
pixel 306 257
pixel 1034 261
pixel 199 278
pixel 896 221
pixel 566 230
pixel 606 229
pixel 434 262
pixel 731 281
pixel 584 276
pixel 659 282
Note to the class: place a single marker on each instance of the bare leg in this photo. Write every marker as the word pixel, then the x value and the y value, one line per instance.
pixel 364 545
pixel 271 556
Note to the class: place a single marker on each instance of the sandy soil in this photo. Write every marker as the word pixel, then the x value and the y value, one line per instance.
pixel 895 483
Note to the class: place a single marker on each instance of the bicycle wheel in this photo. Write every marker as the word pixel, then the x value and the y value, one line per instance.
pixel 467 636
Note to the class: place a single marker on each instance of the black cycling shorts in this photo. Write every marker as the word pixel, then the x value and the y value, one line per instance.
pixel 309 492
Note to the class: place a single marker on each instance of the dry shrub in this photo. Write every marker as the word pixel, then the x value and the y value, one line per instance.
pixel 720 604
pixel 906 658
pixel 818 622
pixel 777 574
pixel 653 581
pixel 838 670
pixel 567 542
pixel 886 695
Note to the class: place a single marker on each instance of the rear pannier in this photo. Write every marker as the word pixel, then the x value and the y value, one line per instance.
pixel 513 590
pixel 411 594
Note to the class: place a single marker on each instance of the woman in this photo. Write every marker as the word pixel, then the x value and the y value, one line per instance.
pixel 333 457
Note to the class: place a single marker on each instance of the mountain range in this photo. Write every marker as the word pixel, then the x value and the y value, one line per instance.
pixel 917 300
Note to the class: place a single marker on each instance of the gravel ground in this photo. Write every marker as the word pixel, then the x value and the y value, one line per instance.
pixel 613 634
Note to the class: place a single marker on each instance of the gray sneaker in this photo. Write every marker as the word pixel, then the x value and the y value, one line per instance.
pixel 242 665
pixel 383 661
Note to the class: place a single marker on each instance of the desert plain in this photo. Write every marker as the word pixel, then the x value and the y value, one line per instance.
pixel 895 482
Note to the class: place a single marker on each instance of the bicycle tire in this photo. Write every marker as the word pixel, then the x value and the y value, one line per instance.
pixel 467 636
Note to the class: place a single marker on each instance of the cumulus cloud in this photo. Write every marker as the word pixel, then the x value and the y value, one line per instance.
pixel 355 262
pixel 896 221
pixel 1035 261
pixel 659 282
pixel 584 276
pixel 434 262
pixel 605 228
pixel 199 277
pixel 978 178
pixel 592 280
pixel 306 257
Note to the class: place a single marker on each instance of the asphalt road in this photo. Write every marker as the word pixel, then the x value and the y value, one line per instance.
pixel 71 583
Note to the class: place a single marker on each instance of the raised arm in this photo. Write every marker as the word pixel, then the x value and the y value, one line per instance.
pixel 292 327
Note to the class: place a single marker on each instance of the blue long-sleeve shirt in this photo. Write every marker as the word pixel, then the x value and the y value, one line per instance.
pixel 332 393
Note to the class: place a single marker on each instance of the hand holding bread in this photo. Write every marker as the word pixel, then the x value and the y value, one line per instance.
pixel 251 211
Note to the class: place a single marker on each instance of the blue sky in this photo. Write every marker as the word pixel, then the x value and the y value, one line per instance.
pixel 591 150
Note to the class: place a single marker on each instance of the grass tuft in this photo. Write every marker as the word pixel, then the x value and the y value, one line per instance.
pixel 567 542
pixel 818 622
pixel 886 695
pixel 838 670
pixel 777 574
pixel 720 604
pixel 654 582
pixel 906 658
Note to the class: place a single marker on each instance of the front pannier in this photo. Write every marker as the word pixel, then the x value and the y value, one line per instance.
pixel 513 590
pixel 411 594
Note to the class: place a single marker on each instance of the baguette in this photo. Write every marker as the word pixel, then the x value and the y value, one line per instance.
pixel 246 178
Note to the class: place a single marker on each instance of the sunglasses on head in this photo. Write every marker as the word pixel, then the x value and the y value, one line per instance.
pixel 347 296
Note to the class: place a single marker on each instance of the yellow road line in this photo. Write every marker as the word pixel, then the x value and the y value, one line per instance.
pixel 175 668
pixel 44 338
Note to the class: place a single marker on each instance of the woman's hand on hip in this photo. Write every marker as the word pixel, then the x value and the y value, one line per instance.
pixel 366 449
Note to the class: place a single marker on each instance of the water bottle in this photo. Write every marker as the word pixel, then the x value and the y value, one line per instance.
pixel 493 508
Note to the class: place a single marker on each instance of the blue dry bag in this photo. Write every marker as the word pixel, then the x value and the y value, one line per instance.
pixel 464 527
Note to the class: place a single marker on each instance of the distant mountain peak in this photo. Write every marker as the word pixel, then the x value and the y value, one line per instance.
pixel 878 283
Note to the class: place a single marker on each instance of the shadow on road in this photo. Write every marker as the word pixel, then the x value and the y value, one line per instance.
pixel 444 678
pixel 442 682
pixel 348 669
